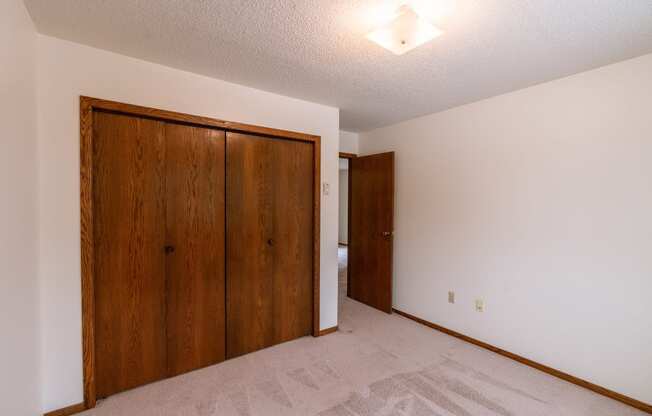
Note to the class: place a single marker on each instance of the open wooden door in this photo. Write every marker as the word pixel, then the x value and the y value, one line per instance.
pixel 371 230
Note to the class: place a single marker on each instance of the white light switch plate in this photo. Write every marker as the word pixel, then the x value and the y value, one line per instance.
pixel 327 188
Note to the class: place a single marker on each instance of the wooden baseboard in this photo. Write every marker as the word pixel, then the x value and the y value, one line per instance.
pixel 66 411
pixel 327 331
pixel 549 370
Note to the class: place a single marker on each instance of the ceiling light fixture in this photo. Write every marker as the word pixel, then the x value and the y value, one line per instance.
pixel 405 32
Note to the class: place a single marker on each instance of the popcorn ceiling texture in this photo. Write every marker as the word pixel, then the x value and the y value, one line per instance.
pixel 316 50
pixel 376 365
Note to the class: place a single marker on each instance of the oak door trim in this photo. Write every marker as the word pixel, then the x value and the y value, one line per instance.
pixel 97 103
pixel 87 250
pixel 344 155
pixel 87 105
pixel 526 361
pixel 316 224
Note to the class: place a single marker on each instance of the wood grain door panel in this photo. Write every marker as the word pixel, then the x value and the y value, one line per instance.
pixel 195 239
pixel 371 227
pixel 153 242
pixel 129 210
pixel 269 241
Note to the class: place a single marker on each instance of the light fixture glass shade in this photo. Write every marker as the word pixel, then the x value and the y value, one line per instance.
pixel 407 31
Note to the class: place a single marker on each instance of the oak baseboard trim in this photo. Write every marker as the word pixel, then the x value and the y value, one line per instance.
pixel 67 411
pixel 327 331
pixel 541 367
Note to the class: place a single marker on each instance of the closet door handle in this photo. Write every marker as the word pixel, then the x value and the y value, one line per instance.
pixel 270 242
pixel 169 249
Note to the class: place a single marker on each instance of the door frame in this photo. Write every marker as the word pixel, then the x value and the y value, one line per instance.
pixel 348 156
pixel 87 106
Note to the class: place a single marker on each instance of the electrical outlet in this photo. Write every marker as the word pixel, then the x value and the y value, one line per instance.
pixel 451 297
pixel 327 188
pixel 479 305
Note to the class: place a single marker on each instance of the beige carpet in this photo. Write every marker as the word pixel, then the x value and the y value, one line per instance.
pixel 376 365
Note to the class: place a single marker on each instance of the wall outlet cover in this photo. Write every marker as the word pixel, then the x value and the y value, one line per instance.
pixel 451 297
pixel 479 305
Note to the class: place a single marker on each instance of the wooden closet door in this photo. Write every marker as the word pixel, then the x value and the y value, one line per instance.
pixel 269 241
pixel 195 247
pixel 128 218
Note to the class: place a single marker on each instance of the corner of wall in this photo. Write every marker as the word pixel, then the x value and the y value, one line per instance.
pixel 349 142
pixel 19 291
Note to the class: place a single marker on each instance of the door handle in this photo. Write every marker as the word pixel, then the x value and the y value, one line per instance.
pixel 387 233
pixel 169 249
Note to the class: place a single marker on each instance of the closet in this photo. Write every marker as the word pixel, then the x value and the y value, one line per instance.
pixel 198 242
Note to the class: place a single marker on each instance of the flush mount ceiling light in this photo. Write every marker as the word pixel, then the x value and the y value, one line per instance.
pixel 405 32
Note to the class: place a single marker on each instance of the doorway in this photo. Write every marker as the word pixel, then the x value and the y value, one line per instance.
pixel 343 226
pixel 366 229
pixel 366 234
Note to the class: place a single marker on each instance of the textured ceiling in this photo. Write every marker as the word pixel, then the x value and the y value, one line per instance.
pixel 316 49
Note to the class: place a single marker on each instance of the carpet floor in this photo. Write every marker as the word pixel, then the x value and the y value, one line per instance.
pixel 375 365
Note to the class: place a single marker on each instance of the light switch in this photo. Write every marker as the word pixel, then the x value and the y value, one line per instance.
pixel 327 188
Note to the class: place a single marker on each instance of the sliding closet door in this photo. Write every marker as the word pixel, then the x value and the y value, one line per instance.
pixel 269 241
pixel 195 247
pixel 129 261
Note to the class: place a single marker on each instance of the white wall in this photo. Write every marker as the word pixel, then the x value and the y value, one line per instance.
pixel 344 204
pixel 67 70
pixel 349 142
pixel 19 381
pixel 539 202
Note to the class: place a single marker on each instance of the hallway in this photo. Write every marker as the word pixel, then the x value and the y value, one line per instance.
pixel 342 260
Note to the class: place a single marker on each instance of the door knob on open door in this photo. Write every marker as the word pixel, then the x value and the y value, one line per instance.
pixel 387 233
